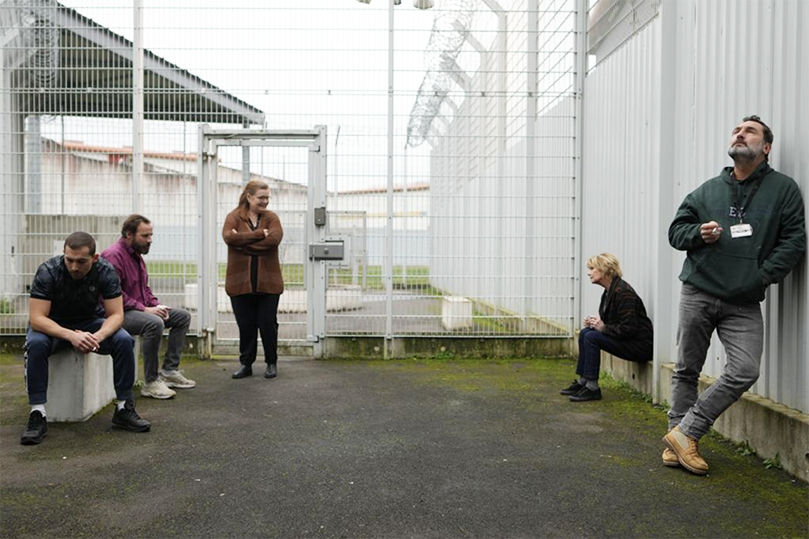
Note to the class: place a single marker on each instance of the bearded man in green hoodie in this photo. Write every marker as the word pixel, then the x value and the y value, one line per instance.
pixel 743 231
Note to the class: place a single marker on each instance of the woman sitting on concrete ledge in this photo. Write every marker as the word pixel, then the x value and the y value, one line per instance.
pixel 621 328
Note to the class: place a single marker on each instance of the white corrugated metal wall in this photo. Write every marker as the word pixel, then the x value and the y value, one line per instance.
pixel 621 133
pixel 653 100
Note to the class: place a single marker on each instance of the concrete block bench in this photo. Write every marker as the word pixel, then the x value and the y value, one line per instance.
pixel 79 385
pixel 456 313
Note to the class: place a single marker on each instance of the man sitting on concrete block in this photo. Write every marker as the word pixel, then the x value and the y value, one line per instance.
pixel 144 315
pixel 66 309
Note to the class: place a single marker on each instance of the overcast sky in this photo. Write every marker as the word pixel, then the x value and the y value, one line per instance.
pixel 302 62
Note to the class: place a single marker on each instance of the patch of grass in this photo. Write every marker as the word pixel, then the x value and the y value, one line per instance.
pixel 409 278
pixel 609 382
pixel 491 323
pixel 10 359
pixel 6 307
pixel 444 354
pixel 744 449
pixel 521 378
pixel 774 462
pixel 187 271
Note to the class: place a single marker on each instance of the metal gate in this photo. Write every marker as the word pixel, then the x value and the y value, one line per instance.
pixel 308 245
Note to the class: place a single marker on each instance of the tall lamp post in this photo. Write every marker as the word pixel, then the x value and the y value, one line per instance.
pixel 420 4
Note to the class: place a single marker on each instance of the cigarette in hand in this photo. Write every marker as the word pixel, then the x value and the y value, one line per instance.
pixel 715 231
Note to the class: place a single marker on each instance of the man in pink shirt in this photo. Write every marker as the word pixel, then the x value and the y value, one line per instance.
pixel 143 313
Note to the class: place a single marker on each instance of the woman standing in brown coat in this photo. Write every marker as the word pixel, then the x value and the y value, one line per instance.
pixel 253 279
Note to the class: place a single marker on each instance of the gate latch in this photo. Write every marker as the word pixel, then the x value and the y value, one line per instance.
pixel 328 250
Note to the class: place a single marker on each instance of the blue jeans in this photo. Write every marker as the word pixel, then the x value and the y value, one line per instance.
pixel 741 331
pixel 592 342
pixel 39 347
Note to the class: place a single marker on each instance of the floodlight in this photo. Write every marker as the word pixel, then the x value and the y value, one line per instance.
pixel 423 4
pixel 395 2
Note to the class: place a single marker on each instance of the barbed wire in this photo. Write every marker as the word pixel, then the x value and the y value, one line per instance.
pixel 40 37
pixel 450 29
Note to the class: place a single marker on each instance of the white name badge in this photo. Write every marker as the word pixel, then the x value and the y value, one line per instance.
pixel 741 231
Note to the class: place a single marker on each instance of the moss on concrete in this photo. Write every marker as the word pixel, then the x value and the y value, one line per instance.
pixel 734 476
pixel 443 347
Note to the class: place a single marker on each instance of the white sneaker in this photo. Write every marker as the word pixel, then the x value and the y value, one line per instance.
pixel 176 379
pixel 157 390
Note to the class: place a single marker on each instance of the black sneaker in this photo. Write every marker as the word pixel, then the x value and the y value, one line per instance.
pixel 572 389
pixel 36 430
pixel 586 395
pixel 127 418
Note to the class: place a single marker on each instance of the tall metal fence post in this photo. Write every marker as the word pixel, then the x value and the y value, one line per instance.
pixel 137 105
pixel 581 75
pixel 389 227
pixel 532 52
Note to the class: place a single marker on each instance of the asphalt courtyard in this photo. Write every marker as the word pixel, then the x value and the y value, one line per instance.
pixel 410 448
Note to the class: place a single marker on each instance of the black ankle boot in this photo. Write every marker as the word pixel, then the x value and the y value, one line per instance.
pixel 272 371
pixel 243 372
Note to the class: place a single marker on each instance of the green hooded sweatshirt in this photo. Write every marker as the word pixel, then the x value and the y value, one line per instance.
pixel 739 270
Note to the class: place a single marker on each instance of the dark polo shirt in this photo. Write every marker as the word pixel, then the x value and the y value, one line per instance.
pixel 74 301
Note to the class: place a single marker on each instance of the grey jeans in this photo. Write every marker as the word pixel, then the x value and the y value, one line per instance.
pixel 150 328
pixel 741 331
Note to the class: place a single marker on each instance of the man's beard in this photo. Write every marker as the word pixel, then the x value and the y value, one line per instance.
pixel 744 154
pixel 141 248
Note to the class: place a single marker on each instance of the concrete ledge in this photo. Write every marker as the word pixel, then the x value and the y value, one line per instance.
pixel 768 427
pixel 222 350
pixel 79 385
pixel 443 347
pixel 638 375
pixel 532 324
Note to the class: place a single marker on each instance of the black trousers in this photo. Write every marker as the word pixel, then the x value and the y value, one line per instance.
pixel 592 342
pixel 257 313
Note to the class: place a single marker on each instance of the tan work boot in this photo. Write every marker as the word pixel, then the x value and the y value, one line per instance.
pixel 687 451
pixel 670 458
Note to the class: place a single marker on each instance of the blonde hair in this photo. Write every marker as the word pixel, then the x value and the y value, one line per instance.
pixel 250 189
pixel 606 262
